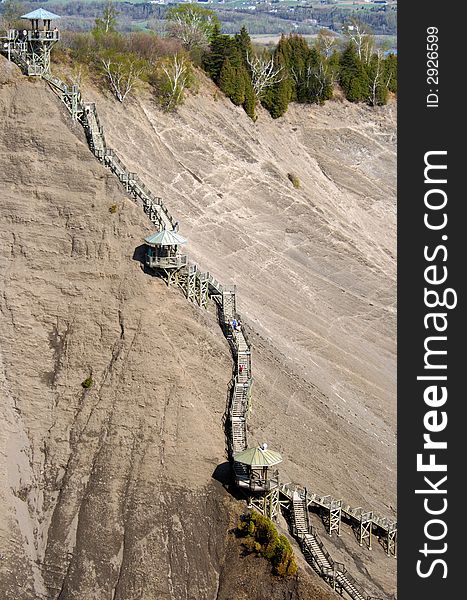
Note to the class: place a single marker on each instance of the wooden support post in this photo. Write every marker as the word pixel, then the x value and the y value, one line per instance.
pixel 267 504
pixel 391 541
pixel 335 514
pixel 171 276
pixel 202 291
pixel 74 102
pixel 191 285
pixel 366 526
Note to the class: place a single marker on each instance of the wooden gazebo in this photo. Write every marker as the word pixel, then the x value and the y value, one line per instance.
pixel 163 253
pixel 254 474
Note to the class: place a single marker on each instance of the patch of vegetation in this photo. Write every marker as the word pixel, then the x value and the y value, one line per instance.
pixel 260 536
pixel 294 179
pixel 292 71
pixel 113 209
pixel 296 71
pixel 87 383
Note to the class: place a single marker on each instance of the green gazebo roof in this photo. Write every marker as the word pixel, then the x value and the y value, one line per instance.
pixel 166 237
pixel 258 457
pixel 41 13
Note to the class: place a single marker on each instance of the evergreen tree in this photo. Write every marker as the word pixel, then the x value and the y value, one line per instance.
pixel 243 43
pixel 318 83
pixel 222 47
pixel 238 92
pixel 295 55
pixel 334 66
pixel 353 75
pixel 232 82
pixel 390 73
pixel 278 97
pixel 227 78
pixel 249 103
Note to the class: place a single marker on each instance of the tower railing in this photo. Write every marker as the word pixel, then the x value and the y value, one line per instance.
pixel 38 35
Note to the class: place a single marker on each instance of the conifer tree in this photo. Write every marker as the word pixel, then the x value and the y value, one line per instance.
pixel 232 82
pixel 243 43
pixel 238 93
pixel 278 97
pixel 222 47
pixel 353 75
pixel 227 77
pixel 390 72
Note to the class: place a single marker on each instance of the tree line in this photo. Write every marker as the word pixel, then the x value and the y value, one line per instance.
pixel 293 71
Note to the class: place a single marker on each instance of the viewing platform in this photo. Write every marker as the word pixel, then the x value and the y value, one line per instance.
pixel 30 47
pixel 252 469
pixel 163 254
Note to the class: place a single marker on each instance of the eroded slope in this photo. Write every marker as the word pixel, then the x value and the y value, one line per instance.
pixel 105 493
pixel 315 269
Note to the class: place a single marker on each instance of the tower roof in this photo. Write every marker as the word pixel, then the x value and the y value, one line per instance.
pixel 41 13
pixel 166 237
pixel 258 457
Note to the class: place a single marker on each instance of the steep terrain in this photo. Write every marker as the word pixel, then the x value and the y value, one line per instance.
pixel 109 491
pixel 315 269
pixel 105 493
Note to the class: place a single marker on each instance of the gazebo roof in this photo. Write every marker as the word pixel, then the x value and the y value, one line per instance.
pixel 166 237
pixel 41 13
pixel 258 457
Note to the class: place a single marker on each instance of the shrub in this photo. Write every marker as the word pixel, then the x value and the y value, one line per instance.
pixel 170 80
pixel 261 537
pixel 88 382
pixel 294 179
pixel 282 558
pixel 113 209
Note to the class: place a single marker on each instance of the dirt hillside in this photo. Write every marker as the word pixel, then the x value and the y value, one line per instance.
pixel 315 269
pixel 315 266
pixel 109 491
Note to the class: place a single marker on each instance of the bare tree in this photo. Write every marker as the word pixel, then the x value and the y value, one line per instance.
pixel 323 76
pixel 177 77
pixel 264 73
pixel 108 21
pixel 376 77
pixel 79 73
pixel 319 74
pixel 363 40
pixel 192 24
pixel 326 42
pixel 123 72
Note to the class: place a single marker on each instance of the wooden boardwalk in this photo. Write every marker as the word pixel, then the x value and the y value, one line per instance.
pixel 198 287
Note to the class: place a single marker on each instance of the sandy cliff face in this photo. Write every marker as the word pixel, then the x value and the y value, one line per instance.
pixel 315 266
pixel 315 269
pixel 105 493
pixel 108 491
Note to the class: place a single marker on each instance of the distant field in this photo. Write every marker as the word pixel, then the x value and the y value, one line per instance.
pixel 389 41
pixel 267 39
pixel 266 23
